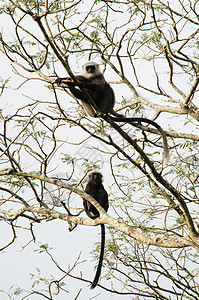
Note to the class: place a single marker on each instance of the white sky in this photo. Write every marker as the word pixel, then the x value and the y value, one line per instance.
pixel 15 264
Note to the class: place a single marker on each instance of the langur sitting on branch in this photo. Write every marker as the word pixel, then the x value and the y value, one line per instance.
pixel 96 189
pixel 92 81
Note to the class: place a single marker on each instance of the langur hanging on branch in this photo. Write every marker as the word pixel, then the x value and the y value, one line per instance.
pixel 93 82
pixel 96 189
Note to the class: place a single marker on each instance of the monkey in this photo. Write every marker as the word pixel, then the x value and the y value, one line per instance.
pixel 95 188
pixel 93 81
pixel 100 91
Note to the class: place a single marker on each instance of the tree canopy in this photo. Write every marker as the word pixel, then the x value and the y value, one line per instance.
pixel 148 52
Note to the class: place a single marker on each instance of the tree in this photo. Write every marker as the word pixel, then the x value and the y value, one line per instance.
pixel 149 51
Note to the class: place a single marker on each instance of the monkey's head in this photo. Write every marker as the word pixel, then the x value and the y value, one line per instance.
pixel 90 69
pixel 95 177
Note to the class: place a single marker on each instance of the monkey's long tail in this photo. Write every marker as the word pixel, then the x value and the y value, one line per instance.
pixel 99 267
pixel 139 120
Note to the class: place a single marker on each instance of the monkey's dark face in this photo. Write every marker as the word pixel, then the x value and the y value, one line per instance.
pixel 90 69
pixel 95 177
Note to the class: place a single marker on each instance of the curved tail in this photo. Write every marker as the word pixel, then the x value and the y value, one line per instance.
pixel 99 267
pixel 119 118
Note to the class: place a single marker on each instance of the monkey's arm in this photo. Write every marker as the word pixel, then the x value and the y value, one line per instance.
pixel 66 80
pixel 83 82
pixel 72 86
pixel 104 199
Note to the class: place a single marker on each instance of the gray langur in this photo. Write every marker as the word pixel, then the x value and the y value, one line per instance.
pixel 93 82
pixel 96 189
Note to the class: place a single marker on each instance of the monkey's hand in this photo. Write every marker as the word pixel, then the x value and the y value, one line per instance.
pixel 61 80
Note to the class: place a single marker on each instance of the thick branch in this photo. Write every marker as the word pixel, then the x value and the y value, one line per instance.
pixel 104 217
pixel 186 216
